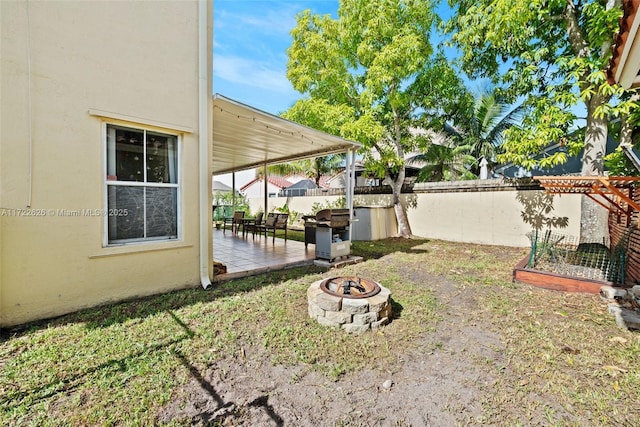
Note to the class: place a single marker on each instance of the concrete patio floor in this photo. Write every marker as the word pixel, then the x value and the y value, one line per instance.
pixel 246 256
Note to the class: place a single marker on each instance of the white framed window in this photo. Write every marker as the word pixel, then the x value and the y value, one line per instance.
pixel 142 187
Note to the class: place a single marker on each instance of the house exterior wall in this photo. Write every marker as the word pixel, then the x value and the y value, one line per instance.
pixel 90 62
pixel 256 190
pixel 463 212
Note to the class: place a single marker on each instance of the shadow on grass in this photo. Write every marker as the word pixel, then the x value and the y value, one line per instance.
pixel 379 248
pixel 107 315
pixel 104 316
pixel 216 414
pixel 396 308
pixel 70 382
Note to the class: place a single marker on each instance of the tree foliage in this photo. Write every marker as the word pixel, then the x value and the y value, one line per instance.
pixel 552 53
pixel 483 127
pixel 443 160
pixel 371 75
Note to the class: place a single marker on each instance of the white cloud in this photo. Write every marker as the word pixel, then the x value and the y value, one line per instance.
pixel 250 72
pixel 277 20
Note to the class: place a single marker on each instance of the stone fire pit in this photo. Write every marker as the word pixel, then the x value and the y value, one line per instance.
pixel 352 303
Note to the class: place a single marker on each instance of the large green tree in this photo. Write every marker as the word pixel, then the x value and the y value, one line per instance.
pixel 551 53
pixel 372 73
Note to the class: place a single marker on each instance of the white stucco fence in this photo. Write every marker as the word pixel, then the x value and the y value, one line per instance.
pixel 489 212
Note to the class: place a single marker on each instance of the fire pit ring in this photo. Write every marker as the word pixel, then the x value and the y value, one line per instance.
pixel 350 287
pixel 349 302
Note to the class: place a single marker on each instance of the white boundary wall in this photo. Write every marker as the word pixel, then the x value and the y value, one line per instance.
pixel 487 212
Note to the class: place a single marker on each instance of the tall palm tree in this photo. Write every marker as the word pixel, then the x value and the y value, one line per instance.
pixel 483 130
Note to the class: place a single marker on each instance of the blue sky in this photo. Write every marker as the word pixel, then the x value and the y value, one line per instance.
pixel 250 39
pixel 249 49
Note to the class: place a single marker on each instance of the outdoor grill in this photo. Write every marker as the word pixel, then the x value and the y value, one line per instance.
pixel 333 218
pixel 309 229
pixel 332 234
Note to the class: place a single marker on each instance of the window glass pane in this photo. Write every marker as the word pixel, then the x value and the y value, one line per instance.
pixel 130 200
pixel 145 211
pixel 125 158
pixel 161 158
pixel 162 212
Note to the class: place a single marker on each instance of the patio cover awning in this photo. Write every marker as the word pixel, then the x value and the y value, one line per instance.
pixel 616 191
pixel 245 137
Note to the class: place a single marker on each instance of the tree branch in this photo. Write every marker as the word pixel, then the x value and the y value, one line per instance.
pixel 576 38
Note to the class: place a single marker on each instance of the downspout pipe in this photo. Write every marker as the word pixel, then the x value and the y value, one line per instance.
pixel 203 144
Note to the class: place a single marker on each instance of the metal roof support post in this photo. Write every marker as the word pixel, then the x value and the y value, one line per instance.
pixel 266 193
pixel 233 192
pixel 353 181
pixel 350 180
pixel 347 181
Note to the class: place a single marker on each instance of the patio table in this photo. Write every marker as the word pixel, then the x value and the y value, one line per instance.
pixel 244 222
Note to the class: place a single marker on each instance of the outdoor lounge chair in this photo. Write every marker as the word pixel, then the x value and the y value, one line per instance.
pixel 235 221
pixel 269 222
pixel 279 224
pixel 252 224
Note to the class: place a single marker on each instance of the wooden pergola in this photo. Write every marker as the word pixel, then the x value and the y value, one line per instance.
pixel 616 191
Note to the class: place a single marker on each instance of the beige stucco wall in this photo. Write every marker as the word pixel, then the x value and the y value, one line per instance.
pixel 493 217
pixel 487 217
pixel 135 59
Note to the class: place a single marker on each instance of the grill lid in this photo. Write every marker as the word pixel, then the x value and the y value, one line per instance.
pixel 332 214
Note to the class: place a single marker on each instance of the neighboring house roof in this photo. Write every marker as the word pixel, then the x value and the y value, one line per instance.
pixel 221 187
pixel 277 181
pixel 625 62
pixel 304 183
pixel 573 165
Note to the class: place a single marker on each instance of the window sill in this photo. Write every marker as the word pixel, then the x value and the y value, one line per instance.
pixel 127 249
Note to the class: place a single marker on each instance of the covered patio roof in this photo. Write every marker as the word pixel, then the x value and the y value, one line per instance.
pixel 245 137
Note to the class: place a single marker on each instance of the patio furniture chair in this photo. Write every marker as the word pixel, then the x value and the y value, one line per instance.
pixel 251 224
pixel 269 222
pixel 235 222
pixel 279 224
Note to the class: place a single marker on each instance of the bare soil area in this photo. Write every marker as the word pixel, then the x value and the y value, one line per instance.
pixel 448 378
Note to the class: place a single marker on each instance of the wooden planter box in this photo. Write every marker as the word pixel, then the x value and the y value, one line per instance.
pixel 558 282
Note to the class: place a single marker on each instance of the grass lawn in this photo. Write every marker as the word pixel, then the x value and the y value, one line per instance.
pixel 563 361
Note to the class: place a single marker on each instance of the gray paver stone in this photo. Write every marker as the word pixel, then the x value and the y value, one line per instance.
pixel 365 318
pixel 377 303
pixel 312 293
pixel 315 311
pixel 326 322
pixel 380 323
pixel 354 306
pixel 610 292
pixel 338 316
pixel 328 302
